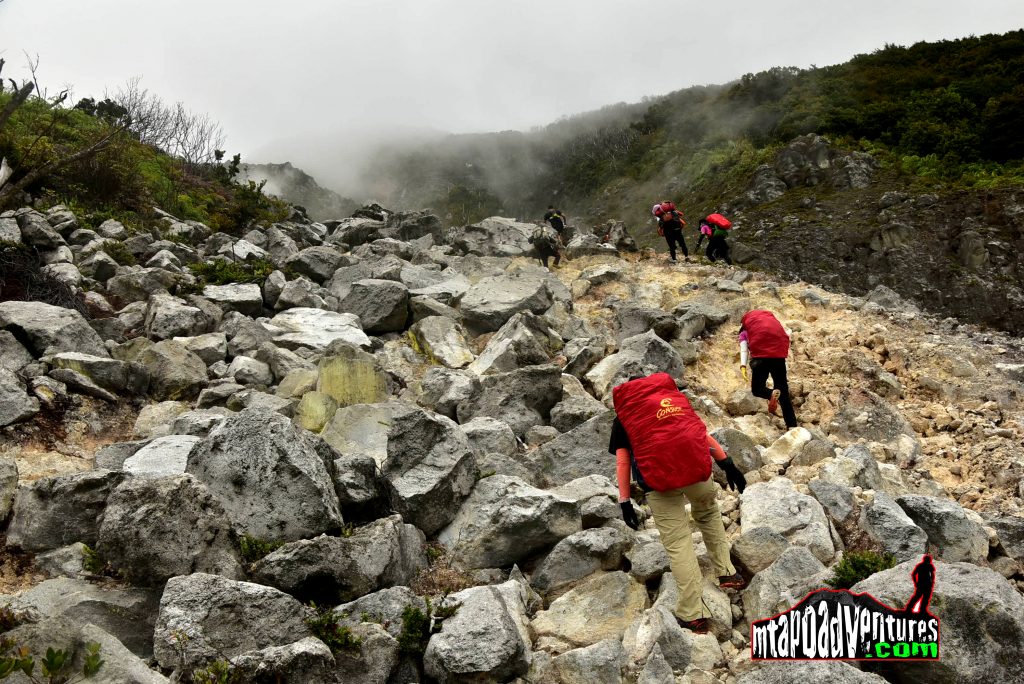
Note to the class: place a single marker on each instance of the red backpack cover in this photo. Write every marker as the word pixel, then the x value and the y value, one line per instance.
pixel 766 338
pixel 719 220
pixel 669 440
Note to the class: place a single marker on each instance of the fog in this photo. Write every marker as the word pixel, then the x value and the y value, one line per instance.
pixel 320 82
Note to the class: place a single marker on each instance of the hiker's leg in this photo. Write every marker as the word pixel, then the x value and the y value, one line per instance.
pixel 544 259
pixel 759 379
pixel 670 517
pixel 704 509
pixel 725 252
pixel 710 251
pixel 777 368
pixel 671 240
pixel 682 244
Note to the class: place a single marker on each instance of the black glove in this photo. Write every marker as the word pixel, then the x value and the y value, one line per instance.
pixel 629 515
pixel 732 474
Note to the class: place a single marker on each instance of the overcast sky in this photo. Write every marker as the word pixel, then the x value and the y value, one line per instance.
pixel 285 78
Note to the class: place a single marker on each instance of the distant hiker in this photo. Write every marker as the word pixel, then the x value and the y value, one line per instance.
pixel 657 436
pixel 545 245
pixel 715 227
pixel 670 226
pixel 924 581
pixel 557 220
pixel 766 342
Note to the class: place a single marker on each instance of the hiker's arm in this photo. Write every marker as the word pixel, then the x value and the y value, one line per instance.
pixel 623 473
pixel 744 348
pixel 716 449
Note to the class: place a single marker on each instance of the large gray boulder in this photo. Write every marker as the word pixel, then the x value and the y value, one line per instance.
pixel 579 555
pixel 981 623
pixel 125 612
pixel 522 398
pixel 306 660
pixel 36 230
pixel 490 435
pixel 174 372
pixel 580 452
pixel 315 328
pixel 445 389
pixel 429 468
pixel 50 329
pixel 383 554
pixel 272 477
pixel 1011 535
pixel 156 528
pixel 56 511
pixel 487 639
pixel 506 520
pixel 163 456
pixel 245 298
pixel 491 302
pixel 168 317
pixel 382 305
pixel 955 536
pixel 222 618
pixel 856 467
pixel 831 671
pixel 595 496
pixel 782 584
pixel 885 522
pixel 494 236
pixel 13 355
pixel 524 340
pixel 121 377
pixel 601 607
pixel 15 402
pixel 756 549
pixel 638 355
pixel 442 340
pixel 8 484
pixel 778 506
pixel 316 263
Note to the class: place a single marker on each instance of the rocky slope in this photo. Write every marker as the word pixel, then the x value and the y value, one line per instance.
pixel 295 186
pixel 407 425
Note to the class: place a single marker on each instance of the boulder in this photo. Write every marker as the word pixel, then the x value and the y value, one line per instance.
pixel 272 477
pixel 521 398
pixel 299 293
pixel 56 511
pixel 1011 535
pixel 444 390
pixel 600 663
pixel 740 448
pixel 525 340
pixel 442 341
pixel 648 559
pixel 487 639
pixel 245 298
pixel 155 420
pixel 778 506
pixel 600 608
pixel 351 376
pixel 742 403
pixel 210 347
pixel 168 317
pixel 955 536
pixel 981 623
pixel 837 500
pixel 579 555
pixel 157 527
pixel 886 523
pixel 8 484
pixel 112 375
pixel 384 607
pixel 757 548
pixel 381 305
pixel 635 320
pixel 783 450
pixel 810 671
pixel 856 467
pixel 638 355
pixel 330 570
pixel 36 230
pixel 315 329
pixel 316 263
pixel 306 660
pixel 595 496
pixel 494 300
pixel 48 329
pixel 581 451
pixel 494 236
pixel 174 372
pixel 249 371
pixel 574 409
pixel 15 403
pixel 13 356
pixel 505 520
pixel 163 456
pixel 782 584
pixel 223 618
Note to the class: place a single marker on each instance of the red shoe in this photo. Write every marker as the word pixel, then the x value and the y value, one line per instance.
pixel 698 626
pixel 773 403
pixel 732 582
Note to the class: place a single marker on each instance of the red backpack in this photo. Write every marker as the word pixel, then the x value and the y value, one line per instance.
pixel 719 221
pixel 669 441
pixel 766 338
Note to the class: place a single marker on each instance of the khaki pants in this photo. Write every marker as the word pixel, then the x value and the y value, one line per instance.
pixel 670 517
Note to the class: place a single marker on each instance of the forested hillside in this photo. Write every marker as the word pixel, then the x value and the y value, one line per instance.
pixel 948 111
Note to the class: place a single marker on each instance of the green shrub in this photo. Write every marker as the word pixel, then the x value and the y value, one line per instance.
pixel 119 253
pixel 325 627
pixel 858 565
pixel 217 672
pixel 254 549
pixel 224 272
pixel 415 630
pixel 53 667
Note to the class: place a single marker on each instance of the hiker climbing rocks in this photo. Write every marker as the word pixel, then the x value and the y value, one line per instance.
pixel 557 220
pixel 766 342
pixel 670 226
pixel 545 245
pixel 657 436
pixel 924 582
pixel 715 227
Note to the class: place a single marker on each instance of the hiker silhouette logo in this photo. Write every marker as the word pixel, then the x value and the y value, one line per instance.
pixel 836 624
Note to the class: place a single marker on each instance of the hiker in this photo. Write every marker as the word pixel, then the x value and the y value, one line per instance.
pixel 766 342
pixel 715 227
pixel 545 246
pixel 924 581
pixel 557 220
pixel 657 436
pixel 670 226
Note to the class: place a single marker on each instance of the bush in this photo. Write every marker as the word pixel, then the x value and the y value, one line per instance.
pixel 858 565
pixel 223 272
pixel 254 549
pixel 119 253
pixel 22 279
pixel 325 627
pixel 217 672
pixel 53 667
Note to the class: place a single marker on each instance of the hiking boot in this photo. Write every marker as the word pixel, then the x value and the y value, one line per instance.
pixel 773 403
pixel 732 582
pixel 698 626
